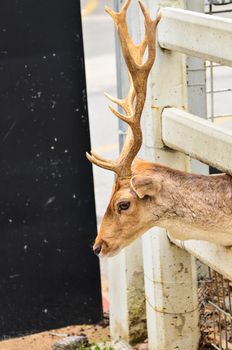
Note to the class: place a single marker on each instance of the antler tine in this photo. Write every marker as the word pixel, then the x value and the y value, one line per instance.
pixel 126 5
pixel 133 103
pixel 101 162
pixel 127 120
pixel 95 155
pixel 114 99
pixel 144 11
pixel 133 55
pixel 150 26
pixel 115 14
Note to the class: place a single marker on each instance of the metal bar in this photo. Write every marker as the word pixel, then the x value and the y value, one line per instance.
pixel 220 116
pixel 219 309
pixel 196 86
pixel 223 3
pixel 212 89
pixel 219 91
pixel 196 34
pixel 212 298
pixel 224 308
pixel 215 65
pixel 180 130
pixel 220 11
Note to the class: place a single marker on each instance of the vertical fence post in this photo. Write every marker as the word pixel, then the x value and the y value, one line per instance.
pixel 170 273
pixel 196 85
pixel 126 278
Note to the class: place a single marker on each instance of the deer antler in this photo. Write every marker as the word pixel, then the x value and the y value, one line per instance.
pixel 133 103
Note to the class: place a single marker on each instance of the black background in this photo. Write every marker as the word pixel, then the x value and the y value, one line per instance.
pixel 49 276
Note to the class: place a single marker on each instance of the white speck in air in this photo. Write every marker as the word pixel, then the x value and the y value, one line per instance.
pixel 50 200
pixel 10 221
pixel 53 104
pixel 14 276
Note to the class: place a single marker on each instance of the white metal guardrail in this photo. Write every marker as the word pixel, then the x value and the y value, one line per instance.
pixel 196 34
pixel 198 138
pixel 182 32
pixel 169 269
pixel 209 38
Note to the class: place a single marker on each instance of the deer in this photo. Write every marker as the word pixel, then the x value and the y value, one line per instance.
pixel 145 194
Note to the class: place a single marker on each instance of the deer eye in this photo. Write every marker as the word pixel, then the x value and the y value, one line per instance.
pixel 123 206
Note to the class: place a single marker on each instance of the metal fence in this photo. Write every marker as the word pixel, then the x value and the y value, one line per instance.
pixel 215 303
pixel 214 290
pixel 214 93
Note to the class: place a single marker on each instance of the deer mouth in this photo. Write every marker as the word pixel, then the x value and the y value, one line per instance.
pixel 103 250
pixel 109 253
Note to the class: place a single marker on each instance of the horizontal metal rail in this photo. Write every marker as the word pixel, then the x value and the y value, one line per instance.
pixel 198 138
pixel 217 257
pixel 196 34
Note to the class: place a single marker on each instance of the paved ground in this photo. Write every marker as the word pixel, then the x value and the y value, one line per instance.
pixel 45 340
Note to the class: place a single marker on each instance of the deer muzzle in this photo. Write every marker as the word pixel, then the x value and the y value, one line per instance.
pixel 97 248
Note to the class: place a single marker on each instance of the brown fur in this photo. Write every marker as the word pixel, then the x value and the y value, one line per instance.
pixel 189 206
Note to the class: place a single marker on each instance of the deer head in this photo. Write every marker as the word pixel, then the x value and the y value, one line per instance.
pixel 127 216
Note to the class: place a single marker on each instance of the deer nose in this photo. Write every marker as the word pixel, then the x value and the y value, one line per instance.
pixel 97 249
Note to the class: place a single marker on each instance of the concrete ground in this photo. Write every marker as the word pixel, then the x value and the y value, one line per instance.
pixel 46 340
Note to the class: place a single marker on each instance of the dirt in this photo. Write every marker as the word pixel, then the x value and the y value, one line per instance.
pixel 45 340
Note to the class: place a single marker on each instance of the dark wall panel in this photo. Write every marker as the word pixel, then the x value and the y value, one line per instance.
pixel 49 276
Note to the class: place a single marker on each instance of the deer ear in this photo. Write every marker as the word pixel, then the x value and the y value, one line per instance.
pixel 145 185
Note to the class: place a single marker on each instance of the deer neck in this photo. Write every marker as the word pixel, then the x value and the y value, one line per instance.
pixel 189 202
